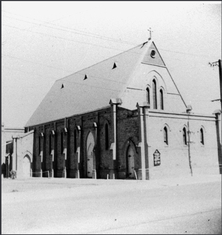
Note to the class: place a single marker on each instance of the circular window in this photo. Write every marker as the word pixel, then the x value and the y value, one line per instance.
pixel 152 54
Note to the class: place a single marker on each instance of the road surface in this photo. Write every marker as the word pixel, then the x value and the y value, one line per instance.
pixel 72 206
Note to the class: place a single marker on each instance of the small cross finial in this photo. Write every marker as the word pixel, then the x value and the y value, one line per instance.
pixel 150 33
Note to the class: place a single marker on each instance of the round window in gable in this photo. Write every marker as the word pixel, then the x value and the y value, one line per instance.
pixel 153 54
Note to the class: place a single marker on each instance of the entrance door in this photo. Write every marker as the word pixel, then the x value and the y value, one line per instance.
pixel 90 155
pixel 26 167
pixel 130 162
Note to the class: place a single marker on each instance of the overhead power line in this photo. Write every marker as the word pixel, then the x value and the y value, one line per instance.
pixel 62 38
pixel 34 62
pixel 33 74
pixel 85 33
pixel 92 44
pixel 71 30
pixel 185 53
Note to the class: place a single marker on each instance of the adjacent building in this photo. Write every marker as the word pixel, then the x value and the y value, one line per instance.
pixel 7 135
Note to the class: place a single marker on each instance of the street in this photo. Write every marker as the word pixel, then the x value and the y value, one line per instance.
pixel 84 206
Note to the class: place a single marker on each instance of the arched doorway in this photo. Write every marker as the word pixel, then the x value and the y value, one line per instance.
pixel 26 166
pixel 130 159
pixel 90 144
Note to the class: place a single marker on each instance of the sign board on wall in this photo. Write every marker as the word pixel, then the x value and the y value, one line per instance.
pixel 156 158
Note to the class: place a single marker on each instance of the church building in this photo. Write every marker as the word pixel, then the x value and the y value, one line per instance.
pixel 122 118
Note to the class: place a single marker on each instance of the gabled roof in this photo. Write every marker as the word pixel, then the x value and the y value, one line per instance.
pixel 89 89
pixel 92 88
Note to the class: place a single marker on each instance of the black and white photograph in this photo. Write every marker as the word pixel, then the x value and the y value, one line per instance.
pixel 111 117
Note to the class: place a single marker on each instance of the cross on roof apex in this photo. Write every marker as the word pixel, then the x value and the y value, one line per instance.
pixel 150 33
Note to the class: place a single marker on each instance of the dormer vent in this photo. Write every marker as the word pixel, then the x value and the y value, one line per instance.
pixel 62 86
pixel 85 77
pixel 114 66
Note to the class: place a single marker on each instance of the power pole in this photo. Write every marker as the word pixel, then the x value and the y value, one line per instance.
pixel 220 72
pixel 218 63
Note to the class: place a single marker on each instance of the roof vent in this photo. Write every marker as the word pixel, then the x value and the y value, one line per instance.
pixel 62 86
pixel 85 77
pixel 114 66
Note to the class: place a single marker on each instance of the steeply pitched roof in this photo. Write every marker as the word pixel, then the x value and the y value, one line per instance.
pixel 89 89
pixel 92 88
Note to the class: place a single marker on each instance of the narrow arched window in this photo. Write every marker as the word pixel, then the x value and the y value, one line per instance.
pixel 61 142
pixel 154 94
pixel 148 95
pixel 75 145
pixel 161 99
pixel 184 136
pixel 202 136
pixel 50 143
pixel 106 136
pixel 165 135
pixel 39 144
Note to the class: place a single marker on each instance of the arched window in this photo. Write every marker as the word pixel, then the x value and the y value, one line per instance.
pixel 50 143
pixel 148 95
pixel 106 136
pixel 201 136
pixel 165 135
pixel 75 144
pixel 184 136
pixel 62 142
pixel 154 94
pixel 40 144
pixel 161 99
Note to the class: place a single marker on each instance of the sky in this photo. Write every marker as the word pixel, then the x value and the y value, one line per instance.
pixel 43 41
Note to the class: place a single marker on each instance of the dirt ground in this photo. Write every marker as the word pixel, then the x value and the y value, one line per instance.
pixel 84 206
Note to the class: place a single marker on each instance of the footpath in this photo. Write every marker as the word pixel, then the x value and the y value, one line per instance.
pixel 52 184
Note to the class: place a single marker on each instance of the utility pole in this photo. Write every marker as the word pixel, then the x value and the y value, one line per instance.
pixel 218 63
